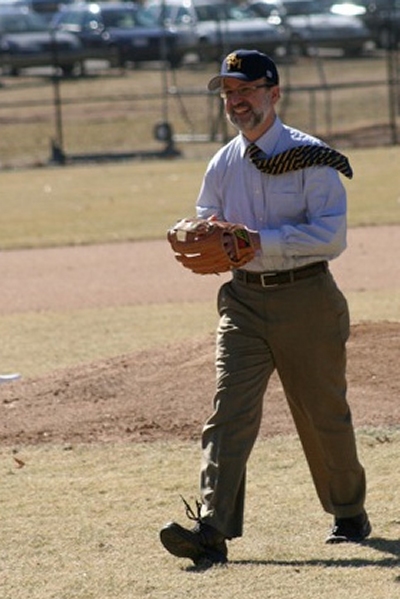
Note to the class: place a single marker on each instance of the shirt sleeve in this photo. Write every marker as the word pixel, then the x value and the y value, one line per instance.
pixel 210 199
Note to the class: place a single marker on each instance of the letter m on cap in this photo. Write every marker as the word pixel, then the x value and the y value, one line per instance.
pixel 233 62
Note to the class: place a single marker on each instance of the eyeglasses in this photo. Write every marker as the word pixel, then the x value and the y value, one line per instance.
pixel 245 92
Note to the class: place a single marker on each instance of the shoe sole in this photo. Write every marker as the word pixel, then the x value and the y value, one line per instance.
pixel 180 542
pixel 177 542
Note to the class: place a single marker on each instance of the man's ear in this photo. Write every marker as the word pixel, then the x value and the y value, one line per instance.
pixel 275 93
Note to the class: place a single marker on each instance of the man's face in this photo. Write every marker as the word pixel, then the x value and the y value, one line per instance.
pixel 249 106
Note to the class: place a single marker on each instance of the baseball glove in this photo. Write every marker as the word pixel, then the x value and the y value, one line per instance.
pixel 210 246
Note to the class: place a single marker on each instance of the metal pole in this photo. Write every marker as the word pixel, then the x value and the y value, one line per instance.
pixel 392 93
pixel 57 143
pixel 164 57
pixel 392 75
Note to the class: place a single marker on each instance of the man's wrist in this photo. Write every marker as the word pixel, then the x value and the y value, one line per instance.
pixel 255 239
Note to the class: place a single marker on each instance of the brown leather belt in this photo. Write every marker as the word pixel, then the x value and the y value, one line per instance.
pixel 272 279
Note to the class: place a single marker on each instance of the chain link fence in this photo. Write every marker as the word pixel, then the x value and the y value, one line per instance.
pixel 157 112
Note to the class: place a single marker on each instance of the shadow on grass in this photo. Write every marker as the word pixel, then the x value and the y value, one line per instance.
pixel 386 546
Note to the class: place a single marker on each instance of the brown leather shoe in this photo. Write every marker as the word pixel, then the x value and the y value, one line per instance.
pixel 350 530
pixel 203 544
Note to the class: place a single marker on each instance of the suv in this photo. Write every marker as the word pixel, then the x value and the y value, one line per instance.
pixel 47 8
pixel 382 17
pixel 120 32
pixel 314 25
pixel 26 41
pixel 209 30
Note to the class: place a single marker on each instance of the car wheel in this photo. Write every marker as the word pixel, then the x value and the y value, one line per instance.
pixel 204 52
pixel 175 60
pixel 353 52
pixel 387 39
pixel 297 47
pixel 9 71
pixel 72 69
pixel 115 59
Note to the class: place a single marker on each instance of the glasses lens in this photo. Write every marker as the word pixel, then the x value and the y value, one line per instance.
pixel 243 92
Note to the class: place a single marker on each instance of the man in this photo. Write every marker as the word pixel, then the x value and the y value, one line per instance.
pixel 281 311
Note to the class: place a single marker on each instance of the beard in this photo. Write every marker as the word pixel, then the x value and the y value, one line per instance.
pixel 245 118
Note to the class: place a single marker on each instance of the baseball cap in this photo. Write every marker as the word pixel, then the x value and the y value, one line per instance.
pixel 246 65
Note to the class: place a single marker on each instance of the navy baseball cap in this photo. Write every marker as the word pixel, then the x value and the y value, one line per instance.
pixel 246 65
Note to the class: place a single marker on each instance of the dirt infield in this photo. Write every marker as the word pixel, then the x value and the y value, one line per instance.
pixel 135 397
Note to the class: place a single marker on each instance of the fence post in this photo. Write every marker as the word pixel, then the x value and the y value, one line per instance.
pixel 57 143
pixel 392 78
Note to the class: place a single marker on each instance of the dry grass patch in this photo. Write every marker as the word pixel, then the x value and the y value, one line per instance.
pixel 82 522
pixel 139 200
pixel 88 335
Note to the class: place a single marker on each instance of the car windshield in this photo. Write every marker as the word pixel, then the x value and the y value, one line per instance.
pixel 126 19
pixel 21 22
pixel 266 9
pixel 300 7
pixel 221 12
pixel 179 15
pixel 384 4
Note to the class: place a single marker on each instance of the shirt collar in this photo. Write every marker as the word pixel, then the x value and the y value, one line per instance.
pixel 266 142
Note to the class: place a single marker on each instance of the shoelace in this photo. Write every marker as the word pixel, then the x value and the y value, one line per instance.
pixel 189 511
pixel 209 537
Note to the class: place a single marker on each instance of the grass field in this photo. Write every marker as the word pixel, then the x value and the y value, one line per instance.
pixel 134 201
pixel 140 199
pixel 82 523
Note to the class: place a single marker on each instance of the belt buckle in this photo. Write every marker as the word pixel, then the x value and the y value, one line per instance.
pixel 264 279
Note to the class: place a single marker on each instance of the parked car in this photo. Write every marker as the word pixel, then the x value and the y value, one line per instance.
pixel 313 25
pixel 25 41
pixel 48 8
pixel 210 29
pixel 382 17
pixel 120 32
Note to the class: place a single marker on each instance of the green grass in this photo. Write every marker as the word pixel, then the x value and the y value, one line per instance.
pixel 82 523
pixel 374 193
pixel 83 205
pixel 139 200
pixel 31 346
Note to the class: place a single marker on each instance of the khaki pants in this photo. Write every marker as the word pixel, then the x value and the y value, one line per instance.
pixel 300 329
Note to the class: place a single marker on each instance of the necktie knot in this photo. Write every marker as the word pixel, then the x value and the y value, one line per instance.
pixel 298 158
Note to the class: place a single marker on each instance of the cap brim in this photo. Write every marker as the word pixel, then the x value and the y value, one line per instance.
pixel 216 82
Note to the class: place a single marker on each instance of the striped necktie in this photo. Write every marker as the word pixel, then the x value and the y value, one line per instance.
pixel 298 158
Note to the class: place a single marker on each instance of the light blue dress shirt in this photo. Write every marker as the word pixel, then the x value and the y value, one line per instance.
pixel 300 215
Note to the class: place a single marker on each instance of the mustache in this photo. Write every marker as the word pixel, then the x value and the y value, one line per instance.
pixel 240 105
